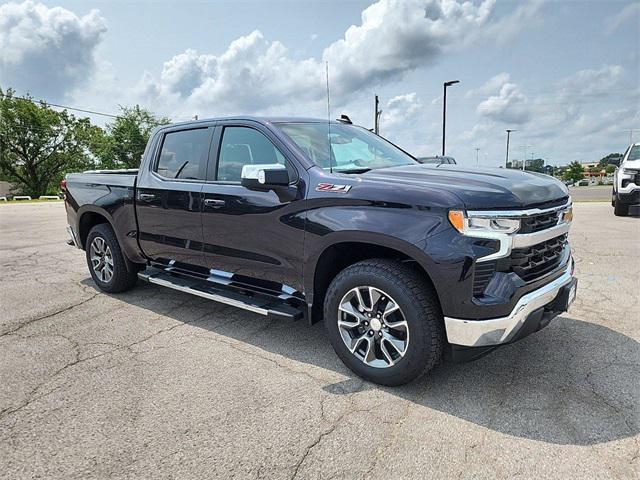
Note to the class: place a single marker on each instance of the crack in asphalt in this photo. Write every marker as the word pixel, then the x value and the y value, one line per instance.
pixel 32 397
pixel 48 315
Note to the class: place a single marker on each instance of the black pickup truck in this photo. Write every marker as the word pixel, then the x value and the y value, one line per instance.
pixel 301 218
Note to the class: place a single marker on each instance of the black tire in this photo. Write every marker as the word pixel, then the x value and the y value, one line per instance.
pixel 125 273
pixel 420 308
pixel 620 209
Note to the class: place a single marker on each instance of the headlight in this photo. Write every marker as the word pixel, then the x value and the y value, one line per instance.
pixel 567 215
pixel 629 172
pixel 473 225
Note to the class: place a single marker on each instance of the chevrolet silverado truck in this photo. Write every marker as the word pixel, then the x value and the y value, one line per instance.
pixel 326 221
pixel 625 198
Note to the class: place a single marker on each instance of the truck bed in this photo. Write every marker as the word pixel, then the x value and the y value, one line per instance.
pixel 111 192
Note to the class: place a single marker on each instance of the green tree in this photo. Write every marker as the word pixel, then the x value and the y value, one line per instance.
pixel 610 169
pixel 39 144
pixel 124 141
pixel 575 172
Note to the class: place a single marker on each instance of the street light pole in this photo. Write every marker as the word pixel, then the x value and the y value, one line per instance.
pixel 444 110
pixel 477 157
pixel 508 134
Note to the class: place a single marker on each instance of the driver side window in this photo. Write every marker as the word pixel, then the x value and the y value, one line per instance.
pixel 245 146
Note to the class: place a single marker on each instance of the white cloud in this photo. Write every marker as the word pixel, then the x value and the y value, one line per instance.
pixel 397 36
pixel 509 105
pixel 47 51
pixel 571 110
pixel 592 81
pixel 400 109
pixel 628 13
pixel 252 75
pixel 491 86
pixel 393 38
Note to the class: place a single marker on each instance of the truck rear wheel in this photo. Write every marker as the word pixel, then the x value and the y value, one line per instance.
pixel 384 321
pixel 110 269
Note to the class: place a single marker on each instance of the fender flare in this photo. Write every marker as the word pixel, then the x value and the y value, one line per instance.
pixel 371 238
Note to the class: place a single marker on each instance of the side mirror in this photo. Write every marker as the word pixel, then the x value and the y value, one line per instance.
pixel 614 161
pixel 264 177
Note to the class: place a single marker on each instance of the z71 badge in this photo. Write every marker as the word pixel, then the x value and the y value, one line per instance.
pixel 330 187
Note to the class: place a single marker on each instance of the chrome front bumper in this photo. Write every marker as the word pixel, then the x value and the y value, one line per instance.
pixel 496 331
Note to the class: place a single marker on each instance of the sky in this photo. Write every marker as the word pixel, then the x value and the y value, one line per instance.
pixel 564 74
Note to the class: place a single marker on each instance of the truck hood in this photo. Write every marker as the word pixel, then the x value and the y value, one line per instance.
pixel 477 188
pixel 631 164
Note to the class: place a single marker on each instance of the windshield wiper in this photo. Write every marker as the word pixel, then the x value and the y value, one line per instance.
pixel 354 170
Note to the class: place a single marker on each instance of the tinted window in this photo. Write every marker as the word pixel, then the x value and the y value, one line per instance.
pixel 244 146
pixel 184 154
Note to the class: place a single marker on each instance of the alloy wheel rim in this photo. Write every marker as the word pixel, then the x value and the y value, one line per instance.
pixel 373 326
pixel 101 259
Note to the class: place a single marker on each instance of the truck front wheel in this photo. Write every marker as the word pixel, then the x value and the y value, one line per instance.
pixel 620 209
pixel 384 321
pixel 109 268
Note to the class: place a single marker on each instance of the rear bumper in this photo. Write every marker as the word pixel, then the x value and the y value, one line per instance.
pixel 531 313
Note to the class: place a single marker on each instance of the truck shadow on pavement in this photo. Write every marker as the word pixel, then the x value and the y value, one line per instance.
pixel 573 383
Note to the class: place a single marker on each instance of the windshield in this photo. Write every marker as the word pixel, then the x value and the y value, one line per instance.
pixel 634 154
pixel 353 149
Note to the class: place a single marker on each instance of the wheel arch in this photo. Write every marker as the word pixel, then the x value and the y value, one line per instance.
pixel 345 250
pixel 88 217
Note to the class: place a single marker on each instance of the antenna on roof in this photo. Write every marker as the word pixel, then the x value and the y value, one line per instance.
pixel 345 119
pixel 329 119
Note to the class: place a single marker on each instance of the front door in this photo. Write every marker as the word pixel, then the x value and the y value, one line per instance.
pixel 253 237
pixel 169 198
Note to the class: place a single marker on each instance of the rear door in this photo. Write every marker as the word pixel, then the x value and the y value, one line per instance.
pixel 250 236
pixel 169 197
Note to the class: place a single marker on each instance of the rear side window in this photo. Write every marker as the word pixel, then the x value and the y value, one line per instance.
pixel 245 146
pixel 184 155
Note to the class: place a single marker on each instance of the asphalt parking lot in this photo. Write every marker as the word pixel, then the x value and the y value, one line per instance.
pixel 594 193
pixel 158 384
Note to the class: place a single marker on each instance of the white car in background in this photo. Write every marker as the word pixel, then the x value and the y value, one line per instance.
pixel 626 183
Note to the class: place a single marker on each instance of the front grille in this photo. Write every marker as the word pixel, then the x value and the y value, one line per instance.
pixel 535 223
pixel 483 273
pixel 534 262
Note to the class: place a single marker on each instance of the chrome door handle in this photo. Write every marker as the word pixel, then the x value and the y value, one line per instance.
pixel 146 197
pixel 213 203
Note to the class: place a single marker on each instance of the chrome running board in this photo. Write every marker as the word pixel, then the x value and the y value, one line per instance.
pixel 201 288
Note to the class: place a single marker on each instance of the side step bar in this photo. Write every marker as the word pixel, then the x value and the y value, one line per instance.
pixel 202 288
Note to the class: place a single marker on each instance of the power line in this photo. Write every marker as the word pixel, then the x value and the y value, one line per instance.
pixel 93 112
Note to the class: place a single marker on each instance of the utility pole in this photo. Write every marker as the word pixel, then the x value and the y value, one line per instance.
pixel 195 117
pixel 444 110
pixel 376 114
pixel 477 157
pixel 631 134
pixel 508 134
